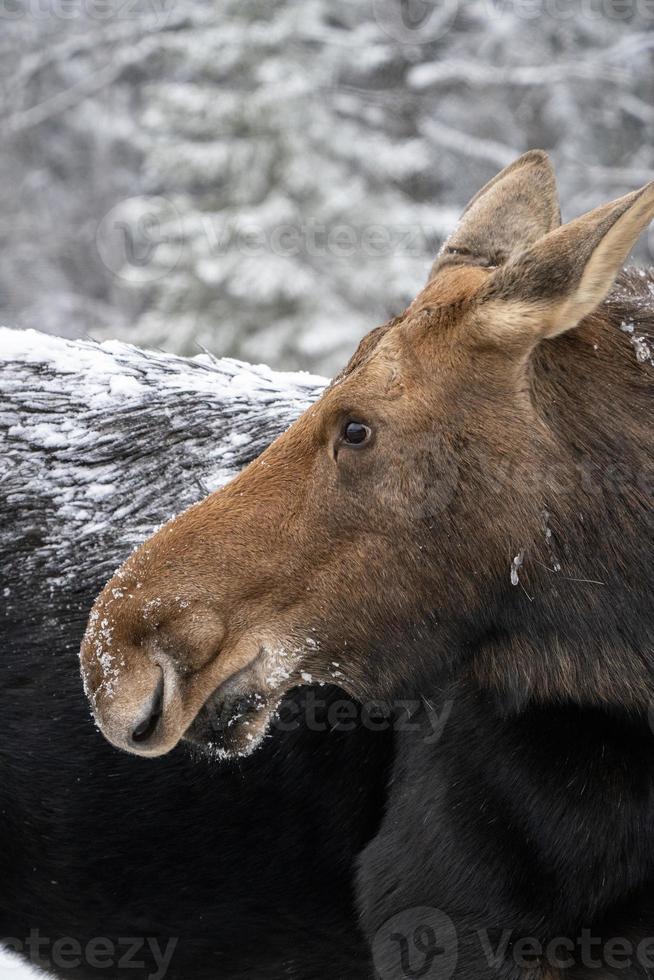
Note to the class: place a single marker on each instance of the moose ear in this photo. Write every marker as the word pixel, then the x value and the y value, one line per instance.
pixel 551 286
pixel 511 212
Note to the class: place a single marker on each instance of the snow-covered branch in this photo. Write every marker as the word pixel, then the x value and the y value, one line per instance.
pixel 288 150
pixel 499 154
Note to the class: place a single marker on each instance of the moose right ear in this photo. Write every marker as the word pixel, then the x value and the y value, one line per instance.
pixel 514 210
pixel 555 283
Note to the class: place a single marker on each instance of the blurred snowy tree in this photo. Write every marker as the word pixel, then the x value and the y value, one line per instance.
pixel 269 178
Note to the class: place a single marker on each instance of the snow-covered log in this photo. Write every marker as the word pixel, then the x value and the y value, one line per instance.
pixel 101 443
pixel 237 870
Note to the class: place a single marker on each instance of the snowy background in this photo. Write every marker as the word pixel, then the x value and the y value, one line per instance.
pixel 270 178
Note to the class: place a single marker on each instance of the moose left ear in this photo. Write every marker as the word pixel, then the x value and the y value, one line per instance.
pixel 512 211
pixel 563 277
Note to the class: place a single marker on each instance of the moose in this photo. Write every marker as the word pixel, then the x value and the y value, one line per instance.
pixel 462 517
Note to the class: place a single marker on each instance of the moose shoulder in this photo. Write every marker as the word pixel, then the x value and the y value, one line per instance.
pixel 463 516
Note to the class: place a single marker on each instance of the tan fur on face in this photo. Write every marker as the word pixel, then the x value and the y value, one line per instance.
pixel 454 288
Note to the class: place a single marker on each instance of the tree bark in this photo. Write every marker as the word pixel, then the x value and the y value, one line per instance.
pixel 101 443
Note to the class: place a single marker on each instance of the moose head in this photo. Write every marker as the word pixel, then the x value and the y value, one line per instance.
pixel 431 515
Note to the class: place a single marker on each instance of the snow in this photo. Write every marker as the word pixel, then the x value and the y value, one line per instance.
pixel 516 565
pixel 643 346
pixel 110 370
pixel 77 416
pixel 34 347
pixel 13 968
pixel 204 199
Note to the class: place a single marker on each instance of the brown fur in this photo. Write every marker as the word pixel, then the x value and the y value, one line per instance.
pixel 374 565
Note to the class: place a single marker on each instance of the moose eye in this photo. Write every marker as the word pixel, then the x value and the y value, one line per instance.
pixel 356 433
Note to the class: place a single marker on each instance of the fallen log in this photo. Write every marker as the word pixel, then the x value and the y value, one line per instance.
pixel 182 868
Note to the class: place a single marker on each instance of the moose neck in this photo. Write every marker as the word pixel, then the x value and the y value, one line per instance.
pixel 582 628
pixel 566 615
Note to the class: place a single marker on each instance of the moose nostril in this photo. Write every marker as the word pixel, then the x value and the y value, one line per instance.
pixel 146 729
